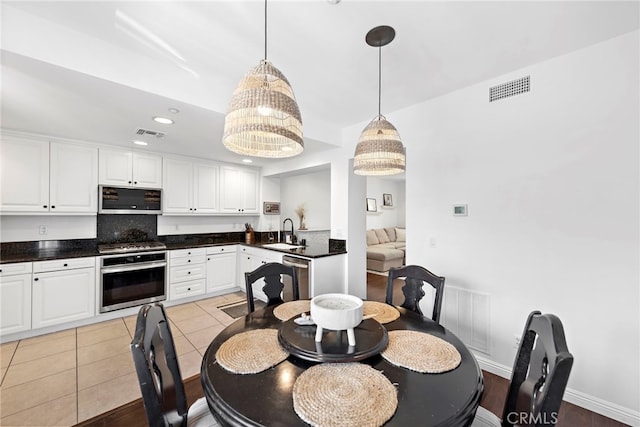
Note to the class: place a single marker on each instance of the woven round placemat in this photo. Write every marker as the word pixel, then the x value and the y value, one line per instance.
pixel 344 394
pixel 383 313
pixel 289 309
pixel 421 352
pixel 251 352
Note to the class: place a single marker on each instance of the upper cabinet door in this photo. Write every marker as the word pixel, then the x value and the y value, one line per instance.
pixel 177 190
pixel 231 189
pixel 239 190
pixel 147 170
pixel 116 168
pixel 251 191
pixel 205 188
pixel 73 178
pixel 24 175
pixel 129 169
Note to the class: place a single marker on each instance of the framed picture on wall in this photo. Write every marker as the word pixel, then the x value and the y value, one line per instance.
pixel 271 208
pixel 371 205
pixel 387 200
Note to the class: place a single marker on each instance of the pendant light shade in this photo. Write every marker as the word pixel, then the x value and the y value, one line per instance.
pixel 263 119
pixel 379 150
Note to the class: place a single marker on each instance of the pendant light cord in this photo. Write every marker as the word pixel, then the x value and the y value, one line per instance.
pixel 265 30
pixel 379 78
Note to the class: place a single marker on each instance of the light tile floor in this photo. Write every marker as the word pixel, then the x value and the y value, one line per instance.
pixel 64 378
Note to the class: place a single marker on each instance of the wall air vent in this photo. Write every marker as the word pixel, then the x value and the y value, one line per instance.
pixel 148 132
pixel 505 90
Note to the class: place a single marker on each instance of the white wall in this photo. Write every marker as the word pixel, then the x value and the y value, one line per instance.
pixel 270 193
pixel 24 228
pixel 386 216
pixel 192 224
pixel 311 190
pixel 551 179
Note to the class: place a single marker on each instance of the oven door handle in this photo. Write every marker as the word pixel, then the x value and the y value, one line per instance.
pixel 133 267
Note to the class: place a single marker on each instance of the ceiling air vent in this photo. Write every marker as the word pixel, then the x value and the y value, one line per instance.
pixel 148 132
pixel 505 90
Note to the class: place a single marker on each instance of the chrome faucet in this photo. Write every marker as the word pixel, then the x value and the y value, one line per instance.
pixel 293 236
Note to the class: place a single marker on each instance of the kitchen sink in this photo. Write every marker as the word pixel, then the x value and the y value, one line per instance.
pixel 284 246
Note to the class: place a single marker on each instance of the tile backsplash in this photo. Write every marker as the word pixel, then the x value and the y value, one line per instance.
pixel 126 228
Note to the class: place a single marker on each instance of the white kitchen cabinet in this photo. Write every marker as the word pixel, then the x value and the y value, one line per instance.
pixel 239 189
pixel 15 297
pixel 130 169
pixel 221 268
pixel 190 187
pixel 41 177
pixel 24 175
pixel 73 183
pixel 187 273
pixel 63 291
pixel 250 259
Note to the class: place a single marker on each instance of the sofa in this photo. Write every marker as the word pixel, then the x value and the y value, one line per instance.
pixel 385 248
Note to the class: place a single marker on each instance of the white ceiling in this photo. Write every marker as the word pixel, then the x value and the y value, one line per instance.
pixel 97 71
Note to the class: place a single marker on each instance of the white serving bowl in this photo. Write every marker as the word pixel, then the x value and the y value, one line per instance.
pixel 336 312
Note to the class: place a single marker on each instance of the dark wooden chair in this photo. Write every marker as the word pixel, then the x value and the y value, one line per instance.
pixel 154 357
pixel 273 285
pixel 415 278
pixel 540 375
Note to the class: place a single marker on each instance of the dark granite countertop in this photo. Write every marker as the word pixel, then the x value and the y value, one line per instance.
pixel 310 251
pixel 313 249
pixel 57 249
pixel 47 250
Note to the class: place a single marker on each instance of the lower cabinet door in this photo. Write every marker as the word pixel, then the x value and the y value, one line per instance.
pixel 248 263
pixel 63 296
pixel 221 272
pixel 15 303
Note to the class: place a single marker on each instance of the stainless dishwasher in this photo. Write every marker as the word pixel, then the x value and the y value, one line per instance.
pixel 302 271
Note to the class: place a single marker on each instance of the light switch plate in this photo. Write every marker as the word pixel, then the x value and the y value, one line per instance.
pixel 460 210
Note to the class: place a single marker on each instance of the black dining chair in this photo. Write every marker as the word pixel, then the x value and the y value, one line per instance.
pixel 415 277
pixel 156 363
pixel 272 273
pixel 540 375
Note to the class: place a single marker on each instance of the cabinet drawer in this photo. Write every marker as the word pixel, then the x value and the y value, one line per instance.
pixel 63 264
pixel 221 249
pixel 187 272
pixel 181 253
pixel 15 268
pixel 190 260
pixel 186 289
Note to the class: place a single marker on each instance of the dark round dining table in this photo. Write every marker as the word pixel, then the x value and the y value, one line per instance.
pixel 265 399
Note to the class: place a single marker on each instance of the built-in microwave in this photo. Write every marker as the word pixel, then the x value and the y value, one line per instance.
pixel 129 200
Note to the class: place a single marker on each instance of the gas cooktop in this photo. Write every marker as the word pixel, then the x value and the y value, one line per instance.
pixel 122 248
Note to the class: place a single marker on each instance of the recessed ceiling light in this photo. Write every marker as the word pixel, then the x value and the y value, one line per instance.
pixel 247 161
pixel 174 110
pixel 139 142
pixel 162 120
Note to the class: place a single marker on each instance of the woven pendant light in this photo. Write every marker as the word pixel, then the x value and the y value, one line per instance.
pixel 263 119
pixel 379 150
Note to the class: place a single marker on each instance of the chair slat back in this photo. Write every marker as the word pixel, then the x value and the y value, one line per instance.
pixel 415 278
pixel 156 364
pixel 272 274
pixel 540 373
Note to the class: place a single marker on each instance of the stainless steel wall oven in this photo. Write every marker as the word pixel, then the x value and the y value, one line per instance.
pixel 132 279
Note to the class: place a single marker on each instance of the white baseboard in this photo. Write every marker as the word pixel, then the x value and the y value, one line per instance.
pixel 593 404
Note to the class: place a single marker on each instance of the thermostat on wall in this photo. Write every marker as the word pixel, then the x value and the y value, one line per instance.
pixel 459 210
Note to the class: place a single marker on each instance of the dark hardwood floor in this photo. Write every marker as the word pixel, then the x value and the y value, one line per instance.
pixel 495 390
